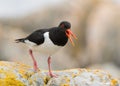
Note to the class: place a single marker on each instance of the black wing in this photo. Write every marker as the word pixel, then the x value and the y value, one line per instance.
pixel 37 36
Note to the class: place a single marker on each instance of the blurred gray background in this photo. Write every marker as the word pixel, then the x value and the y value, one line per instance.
pixel 95 22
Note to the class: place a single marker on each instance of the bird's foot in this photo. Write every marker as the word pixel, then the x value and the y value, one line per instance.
pixel 53 75
pixel 36 69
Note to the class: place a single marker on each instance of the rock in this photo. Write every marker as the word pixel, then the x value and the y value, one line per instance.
pixel 17 74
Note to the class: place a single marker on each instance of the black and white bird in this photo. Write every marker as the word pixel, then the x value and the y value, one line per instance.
pixel 48 41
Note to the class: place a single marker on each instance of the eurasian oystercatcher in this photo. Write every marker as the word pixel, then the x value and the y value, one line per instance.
pixel 48 41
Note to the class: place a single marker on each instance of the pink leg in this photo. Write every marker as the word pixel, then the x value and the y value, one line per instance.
pixel 34 61
pixel 49 67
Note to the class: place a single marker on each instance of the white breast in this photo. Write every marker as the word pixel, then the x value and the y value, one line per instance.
pixel 47 47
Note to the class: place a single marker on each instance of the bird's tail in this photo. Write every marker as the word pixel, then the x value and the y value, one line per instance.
pixel 20 40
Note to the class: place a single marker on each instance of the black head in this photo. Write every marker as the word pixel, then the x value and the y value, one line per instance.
pixel 61 34
pixel 65 25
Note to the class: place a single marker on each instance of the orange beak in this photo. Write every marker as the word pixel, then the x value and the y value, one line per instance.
pixel 69 33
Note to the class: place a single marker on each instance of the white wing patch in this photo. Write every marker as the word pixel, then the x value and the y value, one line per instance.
pixel 30 44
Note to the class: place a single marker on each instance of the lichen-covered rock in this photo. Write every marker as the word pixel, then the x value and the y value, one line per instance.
pixel 16 74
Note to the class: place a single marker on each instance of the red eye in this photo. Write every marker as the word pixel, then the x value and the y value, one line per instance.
pixel 62 25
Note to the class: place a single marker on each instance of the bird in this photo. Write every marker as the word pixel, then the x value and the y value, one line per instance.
pixel 48 41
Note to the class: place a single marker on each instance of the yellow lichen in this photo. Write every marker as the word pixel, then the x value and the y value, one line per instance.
pixel 114 82
pixel 8 81
pixel 7 73
pixel 67 80
pixel 46 79
pixel 65 85
pixel 26 75
pixel 74 75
